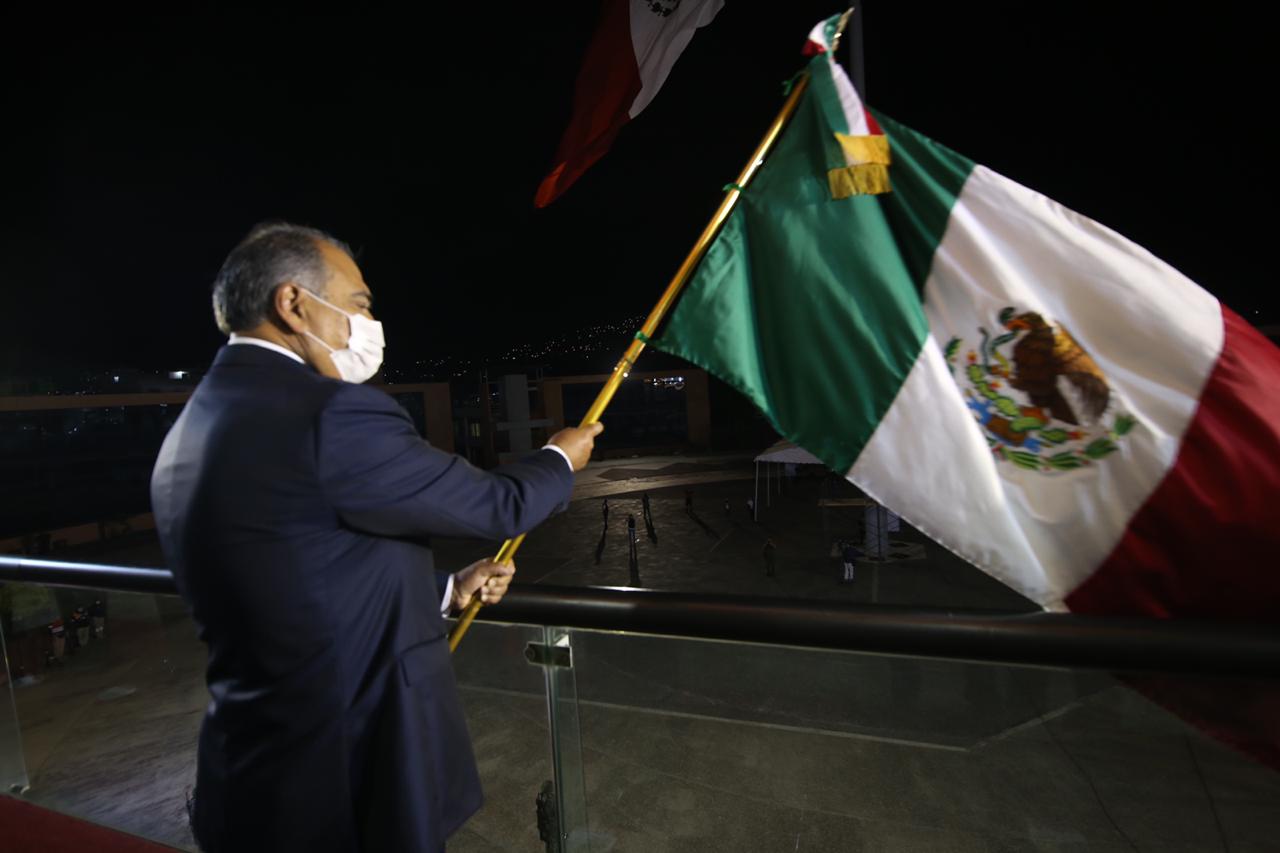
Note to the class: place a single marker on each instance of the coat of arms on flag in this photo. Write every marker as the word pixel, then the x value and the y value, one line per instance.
pixel 1043 405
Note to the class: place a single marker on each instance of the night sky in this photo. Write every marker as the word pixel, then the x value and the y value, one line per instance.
pixel 139 150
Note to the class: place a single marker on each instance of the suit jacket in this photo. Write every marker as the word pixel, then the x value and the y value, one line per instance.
pixel 296 512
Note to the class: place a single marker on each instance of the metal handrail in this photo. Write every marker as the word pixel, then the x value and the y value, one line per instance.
pixel 1047 639
pixel 93 575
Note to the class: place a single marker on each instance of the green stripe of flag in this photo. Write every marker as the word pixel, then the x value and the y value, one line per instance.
pixel 811 306
pixel 927 179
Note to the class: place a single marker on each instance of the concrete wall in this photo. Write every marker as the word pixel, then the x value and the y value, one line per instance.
pixel 697 400
pixel 439 414
pixel 553 403
pixel 698 408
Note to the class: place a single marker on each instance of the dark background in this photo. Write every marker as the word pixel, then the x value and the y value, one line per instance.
pixel 138 150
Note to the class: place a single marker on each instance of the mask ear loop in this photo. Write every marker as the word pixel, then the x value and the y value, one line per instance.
pixel 330 349
pixel 327 303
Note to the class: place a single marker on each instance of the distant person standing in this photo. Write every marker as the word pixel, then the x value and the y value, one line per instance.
pixel 80 625
pixel 849 555
pixel 604 510
pixel 688 501
pixel 633 556
pixel 58 633
pixel 770 557
pixel 98 612
pixel 751 508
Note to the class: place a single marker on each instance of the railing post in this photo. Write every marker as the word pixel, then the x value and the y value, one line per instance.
pixel 555 655
pixel 13 765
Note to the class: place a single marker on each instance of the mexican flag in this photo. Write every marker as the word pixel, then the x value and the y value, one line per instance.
pixel 1032 390
pixel 634 48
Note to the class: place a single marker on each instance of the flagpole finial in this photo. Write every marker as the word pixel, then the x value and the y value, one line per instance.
pixel 844 21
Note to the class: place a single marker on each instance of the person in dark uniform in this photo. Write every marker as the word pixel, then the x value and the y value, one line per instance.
pixel 296 507
pixel 98 612
pixel 849 555
pixel 80 624
pixel 58 633
pixel 770 557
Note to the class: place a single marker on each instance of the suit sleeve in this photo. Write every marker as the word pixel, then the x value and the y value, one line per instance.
pixel 382 478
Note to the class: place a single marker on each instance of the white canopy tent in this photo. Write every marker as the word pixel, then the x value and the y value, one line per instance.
pixel 781 453
pixel 879 521
pixel 785 451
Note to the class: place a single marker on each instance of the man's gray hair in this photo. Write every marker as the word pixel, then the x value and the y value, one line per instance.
pixel 272 254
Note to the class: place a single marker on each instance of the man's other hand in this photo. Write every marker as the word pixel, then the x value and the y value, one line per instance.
pixel 486 578
pixel 578 442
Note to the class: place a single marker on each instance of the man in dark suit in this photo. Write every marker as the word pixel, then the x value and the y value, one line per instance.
pixel 296 507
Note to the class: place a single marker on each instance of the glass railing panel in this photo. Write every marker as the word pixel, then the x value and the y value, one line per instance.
pixel 674 744
pixel 106 715
pixel 504 698
pixel 109 703
pixel 885 697
pixel 13 766
pixel 693 745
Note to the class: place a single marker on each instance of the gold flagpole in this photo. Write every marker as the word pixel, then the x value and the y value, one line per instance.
pixel 623 368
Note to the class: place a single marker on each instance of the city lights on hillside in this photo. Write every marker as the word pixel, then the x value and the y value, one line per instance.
pixel 600 338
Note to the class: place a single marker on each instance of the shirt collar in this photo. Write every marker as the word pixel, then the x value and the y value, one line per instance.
pixel 259 342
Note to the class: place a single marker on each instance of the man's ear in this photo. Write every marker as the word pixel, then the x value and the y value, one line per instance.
pixel 287 302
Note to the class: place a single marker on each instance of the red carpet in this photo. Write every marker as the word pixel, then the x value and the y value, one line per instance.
pixel 25 828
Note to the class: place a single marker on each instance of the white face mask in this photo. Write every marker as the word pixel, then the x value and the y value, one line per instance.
pixel 362 356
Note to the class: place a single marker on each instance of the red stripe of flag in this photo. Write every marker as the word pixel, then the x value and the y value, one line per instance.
pixel 1206 544
pixel 607 86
